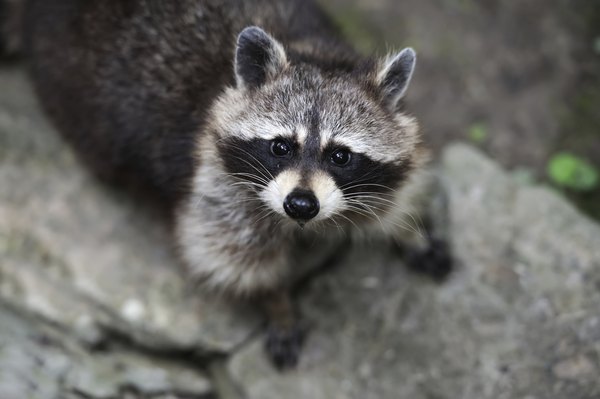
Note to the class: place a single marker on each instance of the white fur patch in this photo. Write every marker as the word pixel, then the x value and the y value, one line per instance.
pixel 278 189
pixel 330 197
pixel 326 136
pixel 232 111
pixel 262 128
pixel 301 134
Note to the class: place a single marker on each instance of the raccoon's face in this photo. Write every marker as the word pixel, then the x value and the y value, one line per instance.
pixel 315 142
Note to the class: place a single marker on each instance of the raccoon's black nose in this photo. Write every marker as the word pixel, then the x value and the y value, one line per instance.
pixel 301 205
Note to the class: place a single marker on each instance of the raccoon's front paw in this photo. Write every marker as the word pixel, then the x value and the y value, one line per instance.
pixel 284 345
pixel 434 261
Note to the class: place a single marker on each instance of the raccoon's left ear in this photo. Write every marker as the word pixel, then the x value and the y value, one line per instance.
pixel 394 76
pixel 257 57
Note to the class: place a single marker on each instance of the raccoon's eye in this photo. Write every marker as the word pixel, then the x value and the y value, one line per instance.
pixel 341 157
pixel 280 148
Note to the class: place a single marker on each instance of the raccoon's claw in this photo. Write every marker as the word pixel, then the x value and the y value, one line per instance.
pixel 284 345
pixel 434 261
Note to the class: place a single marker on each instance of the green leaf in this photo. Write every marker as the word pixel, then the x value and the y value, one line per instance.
pixel 569 171
pixel 477 133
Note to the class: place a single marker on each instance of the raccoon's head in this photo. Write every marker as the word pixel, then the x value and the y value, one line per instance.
pixel 315 137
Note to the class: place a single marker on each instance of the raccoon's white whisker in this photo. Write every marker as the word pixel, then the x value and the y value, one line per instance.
pixel 370 209
pixel 248 199
pixel 389 197
pixel 255 168
pixel 261 174
pixel 365 187
pixel 336 224
pixel 245 178
pixel 279 223
pixel 404 225
pixel 365 211
pixel 268 213
pixel 365 177
pixel 371 213
pixel 264 215
pixel 417 223
pixel 348 187
pixel 340 228
pixel 366 196
pixel 256 159
pixel 241 175
pixel 252 186
pixel 348 219
pixel 370 194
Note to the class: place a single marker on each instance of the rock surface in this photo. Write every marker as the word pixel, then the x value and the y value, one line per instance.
pixel 84 258
pixel 92 304
pixel 519 318
pixel 37 361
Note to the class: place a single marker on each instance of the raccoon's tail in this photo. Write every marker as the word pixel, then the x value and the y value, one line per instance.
pixel 11 27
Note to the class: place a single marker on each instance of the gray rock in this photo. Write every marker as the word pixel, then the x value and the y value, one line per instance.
pixel 37 361
pixel 84 257
pixel 520 316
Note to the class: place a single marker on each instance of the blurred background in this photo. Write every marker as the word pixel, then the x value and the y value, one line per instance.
pixel 519 79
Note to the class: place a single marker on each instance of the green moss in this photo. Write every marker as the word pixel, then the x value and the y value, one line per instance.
pixel 572 172
pixel 477 133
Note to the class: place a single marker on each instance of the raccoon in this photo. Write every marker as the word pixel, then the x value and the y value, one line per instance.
pixel 252 121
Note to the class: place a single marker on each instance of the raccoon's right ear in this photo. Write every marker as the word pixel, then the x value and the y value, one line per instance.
pixel 257 57
pixel 394 76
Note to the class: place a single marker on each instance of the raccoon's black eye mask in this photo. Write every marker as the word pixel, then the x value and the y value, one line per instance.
pixel 260 161
pixel 283 149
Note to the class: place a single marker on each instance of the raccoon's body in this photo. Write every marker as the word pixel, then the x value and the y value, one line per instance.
pixel 251 138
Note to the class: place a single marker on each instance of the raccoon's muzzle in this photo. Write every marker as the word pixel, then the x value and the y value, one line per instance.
pixel 301 205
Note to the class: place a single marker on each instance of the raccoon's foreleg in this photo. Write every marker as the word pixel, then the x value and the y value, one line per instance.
pixel 432 258
pixel 285 334
pixel 425 249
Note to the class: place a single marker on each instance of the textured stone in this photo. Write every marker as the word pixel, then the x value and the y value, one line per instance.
pixel 37 361
pixel 519 317
pixel 80 255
